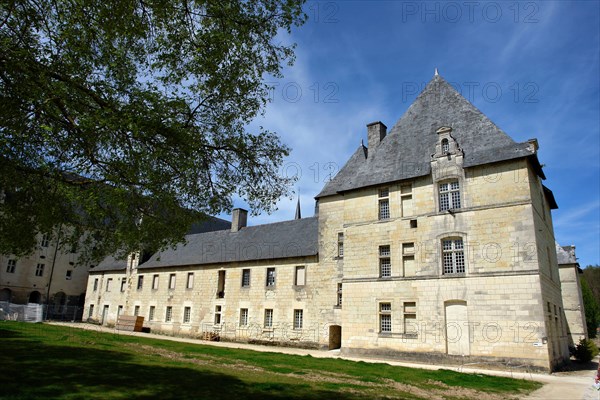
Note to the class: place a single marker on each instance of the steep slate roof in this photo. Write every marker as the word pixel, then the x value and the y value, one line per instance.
pixel 293 238
pixel 111 263
pixel 565 254
pixel 406 151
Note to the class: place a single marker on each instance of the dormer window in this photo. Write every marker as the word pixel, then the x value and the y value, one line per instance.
pixel 445 146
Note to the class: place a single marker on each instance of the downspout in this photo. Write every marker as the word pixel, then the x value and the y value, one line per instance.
pixel 52 271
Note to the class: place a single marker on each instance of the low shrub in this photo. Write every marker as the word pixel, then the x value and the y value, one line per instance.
pixel 585 351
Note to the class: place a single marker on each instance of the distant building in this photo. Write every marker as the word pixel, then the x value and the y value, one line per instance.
pixel 434 242
pixel 570 272
pixel 50 275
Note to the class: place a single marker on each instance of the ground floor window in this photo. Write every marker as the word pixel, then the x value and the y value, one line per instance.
pixel 187 312
pixel 298 319
pixel 385 317
pixel 269 318
pixel 243 317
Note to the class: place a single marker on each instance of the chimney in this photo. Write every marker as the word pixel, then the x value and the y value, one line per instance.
pixel 239 218
pixel 376 131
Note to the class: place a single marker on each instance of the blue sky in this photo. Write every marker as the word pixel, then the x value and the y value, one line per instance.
pixel 532 67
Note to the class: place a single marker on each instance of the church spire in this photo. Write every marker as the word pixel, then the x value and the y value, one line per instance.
pixel 436 73
pixel 298 213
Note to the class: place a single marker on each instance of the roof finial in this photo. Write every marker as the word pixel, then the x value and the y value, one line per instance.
pixel 362 142
pixel 436 73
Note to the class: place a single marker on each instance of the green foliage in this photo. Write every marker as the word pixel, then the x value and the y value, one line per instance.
pixel 104 366
pixel 591 273
pixel 592 309
pixel 128 119
pixel 585 351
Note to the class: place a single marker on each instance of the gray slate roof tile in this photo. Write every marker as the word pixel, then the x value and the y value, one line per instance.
pixel 406 151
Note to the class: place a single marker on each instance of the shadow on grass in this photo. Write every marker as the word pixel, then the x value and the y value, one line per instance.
pixel 36 369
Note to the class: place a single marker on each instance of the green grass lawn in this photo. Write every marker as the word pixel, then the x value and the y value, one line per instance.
pixel 41 361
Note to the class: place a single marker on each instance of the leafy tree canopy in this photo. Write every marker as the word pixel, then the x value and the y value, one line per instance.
pixel 592 308
pixel 127 119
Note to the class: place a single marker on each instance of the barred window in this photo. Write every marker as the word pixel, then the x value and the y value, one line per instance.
pixel 385 317
pixel 151 313
pixel 169 314
pixel 385 264
pixel 298 319
pixel 449 195
pixel 187 312
pixel 339 294
pixel 270 276
pixel 453 256
pixel 384 203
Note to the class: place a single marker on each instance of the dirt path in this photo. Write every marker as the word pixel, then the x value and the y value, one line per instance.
pixel 573 385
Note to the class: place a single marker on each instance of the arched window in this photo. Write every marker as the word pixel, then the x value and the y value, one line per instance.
pixel 445 146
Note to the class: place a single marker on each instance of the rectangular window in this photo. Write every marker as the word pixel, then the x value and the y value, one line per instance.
pixel 155 282
pixel 45 240
pixel 172 281
pixel 119 311
pixel 449 195
pixel 10 266
pixel 340 244
pixel 69 274
pixel 221 285
pixel 151 313
pixel 298 319
pixel 453 256
pixel 39 270
pixel 189 284
pixel 140 283
pixel 270 276
pixel 245 278
pixel 95 284
pixel 108 284
pixel 218 315
pixel 91 312
pixel 385 317
pixel 385 264
pixel 269 318
pixel 410 317
pixel 300 276
pixel 406 201
pixel 384 203
pixel 136 310
pixel 243 317
pixel 339 294
pixel 187 312
pixel 123 284
pixel 169 314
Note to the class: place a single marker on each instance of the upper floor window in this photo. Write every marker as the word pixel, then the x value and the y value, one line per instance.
pixel 11 266
pixel 270 277
pixel 385 264
pixel 140 282
pixel 300 276
pixel 384 203
pixel 453 256
pixel 245 278
pixel 449 195
pixel 45 240
pixel 340 246
pixel 189 284
pixel 39 270
pixel 445 146
pixel 172 278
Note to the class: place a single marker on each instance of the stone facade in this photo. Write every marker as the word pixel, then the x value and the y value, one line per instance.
pixel 436 242
pixel 50 275
pixel 571 292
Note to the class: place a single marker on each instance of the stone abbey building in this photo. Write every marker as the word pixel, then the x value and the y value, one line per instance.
pixel 435 241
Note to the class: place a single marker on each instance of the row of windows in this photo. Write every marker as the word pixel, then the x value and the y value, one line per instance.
pixel 448 195
pixel 187 313
pixel 299 280
pixel 409 318
pixel 11 267
pixel 453 258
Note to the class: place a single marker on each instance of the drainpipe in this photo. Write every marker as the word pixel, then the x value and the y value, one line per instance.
pixel 52 270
